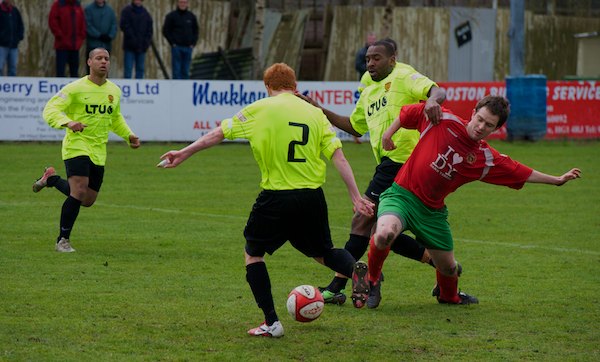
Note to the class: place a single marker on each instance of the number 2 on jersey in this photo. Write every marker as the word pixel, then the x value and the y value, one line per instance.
pixel 292 145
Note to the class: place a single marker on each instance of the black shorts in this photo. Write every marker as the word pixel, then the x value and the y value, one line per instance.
pixel 299 216
pixel 83 166
pixel 384 176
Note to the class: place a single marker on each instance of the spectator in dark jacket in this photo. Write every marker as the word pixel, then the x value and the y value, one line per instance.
pixel 67 23
pixel 101 23
pixel 181 30
pixel 136 24
pixel 11 33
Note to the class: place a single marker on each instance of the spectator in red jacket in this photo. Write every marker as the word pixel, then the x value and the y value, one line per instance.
pixel 67 23
pixel 11 33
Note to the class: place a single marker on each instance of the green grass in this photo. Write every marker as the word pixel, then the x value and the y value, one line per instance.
pixel 159 271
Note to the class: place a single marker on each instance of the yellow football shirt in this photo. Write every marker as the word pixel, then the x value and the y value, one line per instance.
pixel 287 136
pixel 379 104
pixel 96 106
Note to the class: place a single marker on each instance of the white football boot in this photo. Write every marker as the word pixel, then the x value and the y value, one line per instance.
pixel 64 246
pixel 274 330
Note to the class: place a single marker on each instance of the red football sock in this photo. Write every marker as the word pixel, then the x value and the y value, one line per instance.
pixel 448 287
pixel 376 259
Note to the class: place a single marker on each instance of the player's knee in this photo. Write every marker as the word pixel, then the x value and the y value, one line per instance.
pixel 79 194
pixel 253 259
pixel 87 203
pixel 89 198
pixel 382 239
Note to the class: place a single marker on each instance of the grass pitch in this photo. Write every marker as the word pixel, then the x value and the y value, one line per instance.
pixel 159 270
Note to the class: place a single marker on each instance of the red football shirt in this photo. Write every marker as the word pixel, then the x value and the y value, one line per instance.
pixel 446 158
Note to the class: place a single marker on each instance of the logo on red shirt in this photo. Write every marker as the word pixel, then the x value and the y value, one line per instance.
pixel 444 163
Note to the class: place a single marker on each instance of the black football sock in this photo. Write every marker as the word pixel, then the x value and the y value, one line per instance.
pixel 70 210
pixel 356 245
pixel 60 184
pixel 337 284
pixel 257 277
pixel 339 260
pixel 408 247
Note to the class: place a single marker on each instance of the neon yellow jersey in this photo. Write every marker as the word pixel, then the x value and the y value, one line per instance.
pixel 288 137
pixel 98 107
pixel 379 104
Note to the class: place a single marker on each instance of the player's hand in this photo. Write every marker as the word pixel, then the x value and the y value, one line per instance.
pixel 307 99
pixel 76 126
pixel 433 111
pixel 571 175
pixel 134 141
pixel 173 158
pixel 364 207
pixel 386 141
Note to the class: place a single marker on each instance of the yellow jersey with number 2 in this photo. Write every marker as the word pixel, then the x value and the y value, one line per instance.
pixel 287 136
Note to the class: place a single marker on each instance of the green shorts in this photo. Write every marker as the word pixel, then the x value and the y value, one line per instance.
pixel 429 225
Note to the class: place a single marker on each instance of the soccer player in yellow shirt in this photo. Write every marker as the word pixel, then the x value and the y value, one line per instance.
pixel 287 136
pixel 87 109
pixel 388 86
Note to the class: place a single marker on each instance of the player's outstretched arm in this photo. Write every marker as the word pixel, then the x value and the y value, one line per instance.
pixel 361 205
pixel 539 177
pixel 210 139
pixel 337 120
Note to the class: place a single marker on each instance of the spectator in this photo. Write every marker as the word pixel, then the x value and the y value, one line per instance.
pixel 360 62
pixel 11 33
pixel 181 31
pixel 67 23
pixel 101 23
pixel 136 24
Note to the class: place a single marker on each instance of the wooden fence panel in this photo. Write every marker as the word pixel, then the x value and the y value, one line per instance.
pixel 550 46
pixel 422 38
pixel 501 65
pixel 421 35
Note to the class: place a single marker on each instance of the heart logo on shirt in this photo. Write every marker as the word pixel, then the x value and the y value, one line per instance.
pixel 456 158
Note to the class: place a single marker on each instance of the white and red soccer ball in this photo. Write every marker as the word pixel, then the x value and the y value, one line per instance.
pixel 305 303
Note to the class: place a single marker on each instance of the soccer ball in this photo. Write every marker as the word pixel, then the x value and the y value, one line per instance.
pixel 305 303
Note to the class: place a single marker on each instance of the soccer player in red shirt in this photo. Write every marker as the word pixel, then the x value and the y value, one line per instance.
pixel 449 154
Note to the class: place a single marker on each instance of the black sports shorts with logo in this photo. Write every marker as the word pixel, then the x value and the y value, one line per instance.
pixel 383 178
pixel 299 216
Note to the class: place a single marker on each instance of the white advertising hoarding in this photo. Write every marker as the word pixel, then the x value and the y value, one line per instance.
pixel 156 110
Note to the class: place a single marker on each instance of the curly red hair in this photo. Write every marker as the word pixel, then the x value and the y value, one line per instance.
pixel 280 76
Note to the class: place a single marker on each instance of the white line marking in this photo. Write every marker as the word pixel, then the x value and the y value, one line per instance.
pixel 245 217
pixel 524 246
pixel 504 244
pixel 171 211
